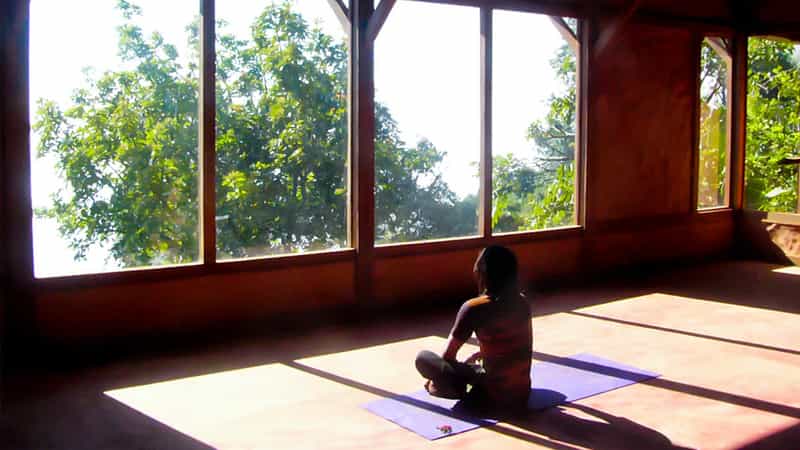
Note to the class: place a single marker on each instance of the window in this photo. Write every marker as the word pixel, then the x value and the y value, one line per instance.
pixel 113 95
pixel 281 86
pixel 714 129
pixel 115 107
pixel 427 123
pixel 115 170
pixel 534 75
pixel 428 119
pixel 773 125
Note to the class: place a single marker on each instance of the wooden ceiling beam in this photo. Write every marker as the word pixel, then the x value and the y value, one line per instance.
pixel 721 46
pixel 566 33
pixel 342 13
pixel 378 18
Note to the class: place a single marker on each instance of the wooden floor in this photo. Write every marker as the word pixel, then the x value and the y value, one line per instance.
pixel 724 336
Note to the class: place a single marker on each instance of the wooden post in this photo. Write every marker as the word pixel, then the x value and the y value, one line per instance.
pixel 207 158
pixel 16 214
pixel 362 141
pixel 582 121
pixel 738 120
pixel 729 129
pixel 485 209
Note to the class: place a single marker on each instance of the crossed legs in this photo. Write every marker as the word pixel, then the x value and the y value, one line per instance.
pixel 448 379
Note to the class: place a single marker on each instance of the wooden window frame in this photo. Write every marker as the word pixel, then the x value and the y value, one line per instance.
pixel 741 63
pixel 724 45
pixel 486 236
pixel 363 20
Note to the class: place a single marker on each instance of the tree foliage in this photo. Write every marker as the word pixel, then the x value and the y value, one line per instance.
pixel 541 194
pixel 773 125
pixel 127 147
pixel 281 137
pixel 713 145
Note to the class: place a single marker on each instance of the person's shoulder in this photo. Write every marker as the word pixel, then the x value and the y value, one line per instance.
pixel 477 301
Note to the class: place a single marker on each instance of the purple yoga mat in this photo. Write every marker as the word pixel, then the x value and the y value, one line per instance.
pixel 556 381
pixel 428 416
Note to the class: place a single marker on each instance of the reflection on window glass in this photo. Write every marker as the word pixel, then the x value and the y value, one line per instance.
pixel 713 144
pixel 427 123
pixel 773 125
pixel 281 128
pixel 113 94
pixel 533 126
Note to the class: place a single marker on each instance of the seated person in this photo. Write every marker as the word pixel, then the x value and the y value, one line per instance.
pixel 500 317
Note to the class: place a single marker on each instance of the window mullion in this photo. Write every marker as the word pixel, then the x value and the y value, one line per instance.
pixel 207 130
pixel 362 150
pixel 581 127
pixel 738 120
pixel 485 208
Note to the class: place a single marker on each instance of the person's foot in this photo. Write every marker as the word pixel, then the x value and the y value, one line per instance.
pixel 443 391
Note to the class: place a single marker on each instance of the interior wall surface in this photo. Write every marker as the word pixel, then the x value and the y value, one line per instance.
pixel 206 302
pixel 780 13
pixel 711 10
pixel 641 98
pixel 639 150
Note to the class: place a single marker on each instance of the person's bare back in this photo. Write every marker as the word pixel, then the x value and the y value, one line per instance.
pixel 500 318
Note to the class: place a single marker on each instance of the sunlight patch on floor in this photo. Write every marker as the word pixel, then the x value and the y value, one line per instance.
pixel 277 406
pixel 790 270
pixel 702 316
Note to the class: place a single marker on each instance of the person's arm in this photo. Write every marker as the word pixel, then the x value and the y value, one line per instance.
pixel 453 345
pixel 461 331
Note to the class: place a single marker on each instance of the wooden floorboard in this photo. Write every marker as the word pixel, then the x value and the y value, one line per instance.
pixel 723 336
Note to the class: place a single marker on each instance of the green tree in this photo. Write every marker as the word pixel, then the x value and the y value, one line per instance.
pixel 773 125
pixel 542 194
pixel 282 136
pixel 127 148
pixel 713 145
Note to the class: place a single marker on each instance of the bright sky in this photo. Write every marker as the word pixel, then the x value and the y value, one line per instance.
pixel 427 71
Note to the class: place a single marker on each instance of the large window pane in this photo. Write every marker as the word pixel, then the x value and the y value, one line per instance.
pixel 533 126
pixel 281 128
pixel 427 123
pixel 113 94
pixel 713 140
pixel 773 125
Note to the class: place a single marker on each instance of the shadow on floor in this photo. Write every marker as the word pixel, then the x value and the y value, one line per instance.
pixel 602 432
pixel 543 427
pixel 784 439
pixel 675 386
pixel 58 407
pixel 686 333
pixel 746 283
pixel 88 420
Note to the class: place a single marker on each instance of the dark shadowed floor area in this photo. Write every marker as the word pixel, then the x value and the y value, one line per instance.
pixel 725 336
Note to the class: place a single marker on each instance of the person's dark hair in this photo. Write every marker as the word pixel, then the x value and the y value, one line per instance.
pixel 500 267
